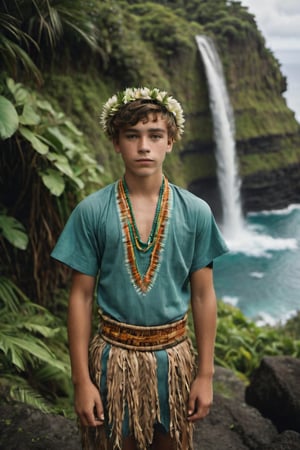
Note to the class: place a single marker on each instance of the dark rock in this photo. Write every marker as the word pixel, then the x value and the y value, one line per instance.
pixel 275 189
pixel 231 424
pixel 227 384
pixel 25 428
pixel 275 391
pixel 260 144
pixel 208 190
pixel 288 440
pixel 272 187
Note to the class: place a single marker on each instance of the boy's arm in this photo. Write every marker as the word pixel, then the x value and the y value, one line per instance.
pixel 88 405
pixel 204 309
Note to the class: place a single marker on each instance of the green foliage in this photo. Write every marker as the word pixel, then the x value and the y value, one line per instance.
pixel 9 120
pixel 13 231
pixel 125 55
pixel 233 28
pixel 154 21
pixel 48 169
pixel 206 12
pixel 15 42
pixel 33 349
pixel 31 31
pixel 241 344
pixel 292 327
pixel 48 21
pixel 62 155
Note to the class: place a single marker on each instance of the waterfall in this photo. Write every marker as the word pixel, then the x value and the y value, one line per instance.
pixel 223 125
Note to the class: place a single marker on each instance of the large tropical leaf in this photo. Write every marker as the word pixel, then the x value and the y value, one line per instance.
pixel 13 231
pixel 53 180
pixel 72 127
pixel 36 143
pixel 29 116
pixel 61 162
pixel 44 330
pixel 9 120
pixel 46 106
pixel 22 348
pixel 64 141
pixel 19 92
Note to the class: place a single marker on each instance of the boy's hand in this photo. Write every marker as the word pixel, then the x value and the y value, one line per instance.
pixel 88 404
pixel 200 399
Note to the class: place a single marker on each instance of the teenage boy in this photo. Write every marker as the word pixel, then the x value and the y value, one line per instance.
pixel 150 245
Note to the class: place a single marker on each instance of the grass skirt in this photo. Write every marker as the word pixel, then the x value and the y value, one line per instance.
pixel 132 387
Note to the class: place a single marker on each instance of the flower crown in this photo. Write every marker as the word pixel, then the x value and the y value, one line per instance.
pixel 112 106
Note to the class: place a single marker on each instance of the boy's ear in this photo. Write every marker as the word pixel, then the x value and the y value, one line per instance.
pixel 116 145
pixel 170 144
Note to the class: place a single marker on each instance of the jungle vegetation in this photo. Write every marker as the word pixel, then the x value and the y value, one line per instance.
pixel 48 163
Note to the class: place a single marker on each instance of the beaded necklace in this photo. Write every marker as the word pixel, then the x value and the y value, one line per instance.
pixel 131 235
pixel 134 232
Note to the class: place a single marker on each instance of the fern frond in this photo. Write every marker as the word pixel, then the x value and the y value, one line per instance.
pixel 10 295
pixel 26 394
pixel 24 348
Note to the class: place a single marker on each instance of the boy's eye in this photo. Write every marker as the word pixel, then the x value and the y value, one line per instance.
pixel 131 136
pixel 155 137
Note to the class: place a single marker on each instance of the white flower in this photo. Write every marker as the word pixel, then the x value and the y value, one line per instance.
pixel 142 93
pixel 112 106
pixel 112 102
pixel 161 96
pixel 128 96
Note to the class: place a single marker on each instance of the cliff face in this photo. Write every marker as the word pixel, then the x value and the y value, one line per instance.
pixel 272 187
pixel 152 44
pixel 267 134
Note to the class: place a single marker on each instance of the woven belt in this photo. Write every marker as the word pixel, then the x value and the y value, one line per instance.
pixel 142 338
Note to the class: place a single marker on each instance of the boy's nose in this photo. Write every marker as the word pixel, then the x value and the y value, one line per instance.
pixel 144 150
pixel 144 145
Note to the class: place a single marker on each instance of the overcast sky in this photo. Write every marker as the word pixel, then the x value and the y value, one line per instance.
pixel 279 21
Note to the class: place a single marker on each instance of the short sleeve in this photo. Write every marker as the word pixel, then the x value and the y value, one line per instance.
pixel 78 246
pixel 209 242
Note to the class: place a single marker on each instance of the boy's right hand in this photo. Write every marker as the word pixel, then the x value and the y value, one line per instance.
pixel 88 404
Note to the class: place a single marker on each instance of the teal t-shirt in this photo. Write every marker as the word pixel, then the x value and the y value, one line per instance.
pixel 93 242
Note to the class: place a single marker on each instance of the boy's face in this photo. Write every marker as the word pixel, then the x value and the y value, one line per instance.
pixel 144 146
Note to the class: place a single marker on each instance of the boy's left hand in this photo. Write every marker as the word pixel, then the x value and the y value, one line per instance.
pixel 200 399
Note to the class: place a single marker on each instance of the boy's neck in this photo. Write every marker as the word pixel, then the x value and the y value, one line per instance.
pixel 144 186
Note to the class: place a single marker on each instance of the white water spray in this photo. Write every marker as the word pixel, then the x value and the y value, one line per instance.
pixel 223 123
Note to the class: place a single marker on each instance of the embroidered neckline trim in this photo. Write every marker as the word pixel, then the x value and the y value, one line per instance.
pixel 143 283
